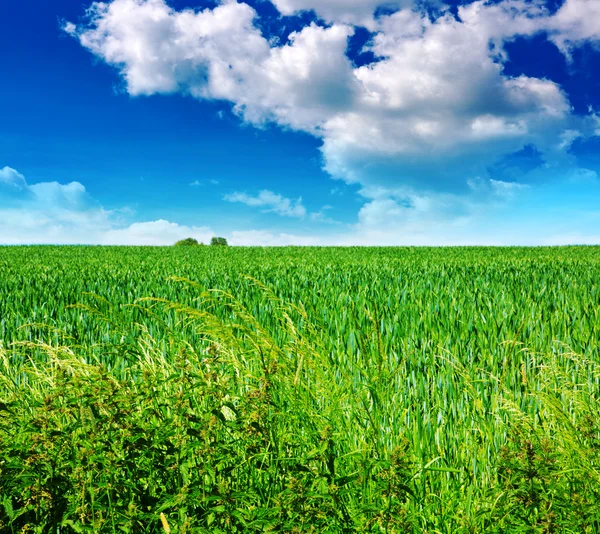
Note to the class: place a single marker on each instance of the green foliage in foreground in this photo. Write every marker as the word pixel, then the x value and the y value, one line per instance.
pixel 356 390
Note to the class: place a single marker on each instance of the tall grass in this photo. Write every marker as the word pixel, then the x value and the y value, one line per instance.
pixel 395 390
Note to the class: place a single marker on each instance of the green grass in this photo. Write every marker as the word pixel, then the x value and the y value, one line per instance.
pixel 299 390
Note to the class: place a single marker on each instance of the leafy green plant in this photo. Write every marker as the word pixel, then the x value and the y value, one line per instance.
pixel 187 242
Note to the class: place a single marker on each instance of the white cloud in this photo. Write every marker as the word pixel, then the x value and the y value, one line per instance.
pixel 381 213
pixel 159 232
pixel 44 196
pixel 438 101
pixel 50 212
pixel 415 128
pixel 55 213
pixel 436 98
pixel 361 237
pixel 159 50
pixel 270 202
pixel 9 178
pixel 401 215
pixel 220 54
pixel 356 12
pixel 302 83
pixel 576 22
pixel 62 196
pixel 70 28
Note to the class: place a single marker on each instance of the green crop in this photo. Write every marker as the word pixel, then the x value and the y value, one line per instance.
pixel 220 389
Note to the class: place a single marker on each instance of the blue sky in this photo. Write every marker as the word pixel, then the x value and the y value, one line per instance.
pixel 300 122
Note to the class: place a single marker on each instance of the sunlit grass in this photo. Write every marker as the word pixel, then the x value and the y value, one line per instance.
pixel 306 390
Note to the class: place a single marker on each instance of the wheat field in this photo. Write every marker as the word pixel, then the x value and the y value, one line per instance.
pixel 214 389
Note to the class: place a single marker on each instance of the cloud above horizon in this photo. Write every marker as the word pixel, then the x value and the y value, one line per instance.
pixel 431 112
pixel 439 124
pixel 55 213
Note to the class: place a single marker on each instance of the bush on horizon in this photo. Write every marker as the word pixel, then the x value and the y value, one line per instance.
pixel 219 242
pixel 187 242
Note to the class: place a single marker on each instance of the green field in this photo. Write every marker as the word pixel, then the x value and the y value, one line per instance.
pixel 299 390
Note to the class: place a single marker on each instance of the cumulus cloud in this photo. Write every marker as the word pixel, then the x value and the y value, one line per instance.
pixel 47 212
pixel 302 83
pixel 270 202
pixel 56 213
pixel 412 217
pixel 11 179
pixel 356 12
pixel 437 107
pixel 159 50
pixel 433 130
pixel 44 196
pixel 220 54
pixel 433 110
pixel 576 22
